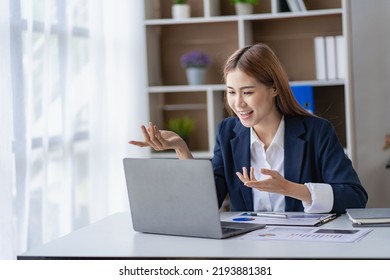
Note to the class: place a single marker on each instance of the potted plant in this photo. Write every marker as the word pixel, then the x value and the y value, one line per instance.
pixel 182 126
pixel 244 7
pixel 180 9
pixel 195 63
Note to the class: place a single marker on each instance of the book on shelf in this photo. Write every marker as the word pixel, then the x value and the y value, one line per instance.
pixel 275 6
pixel 341 59
pixel 320 57
pixel 369 216
pixel 293 6
pixel 305 96
pixel 279 6
pixel 330 47
pixel 301 5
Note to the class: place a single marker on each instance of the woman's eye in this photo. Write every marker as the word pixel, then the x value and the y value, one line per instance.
pixel 231 92
pixel 248 92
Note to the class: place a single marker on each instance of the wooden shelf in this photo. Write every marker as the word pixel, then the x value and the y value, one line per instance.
pixel 234 18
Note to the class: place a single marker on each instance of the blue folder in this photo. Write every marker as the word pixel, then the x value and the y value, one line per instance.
pixel 305 97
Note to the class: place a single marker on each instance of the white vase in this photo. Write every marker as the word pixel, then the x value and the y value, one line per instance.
pixel 181 11
pixel 196 75
pixel 244 8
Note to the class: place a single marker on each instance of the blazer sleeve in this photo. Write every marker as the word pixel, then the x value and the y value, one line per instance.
pixel 337 170
pixel 218 168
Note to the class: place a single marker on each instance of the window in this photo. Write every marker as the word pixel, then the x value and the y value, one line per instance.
pixel 50 41
pixel 73 78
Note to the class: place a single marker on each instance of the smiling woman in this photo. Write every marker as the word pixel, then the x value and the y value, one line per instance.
pixel 271 155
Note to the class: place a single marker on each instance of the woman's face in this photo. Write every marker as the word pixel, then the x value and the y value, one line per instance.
pixel 251 101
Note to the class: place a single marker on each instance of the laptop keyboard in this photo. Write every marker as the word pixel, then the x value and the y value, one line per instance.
pixel 226 230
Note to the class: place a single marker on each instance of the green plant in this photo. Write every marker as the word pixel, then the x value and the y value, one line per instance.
pixel 182 126
pixel 180 1
pixel 253 2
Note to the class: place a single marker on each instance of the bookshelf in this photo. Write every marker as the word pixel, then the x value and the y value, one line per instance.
pixel 215 29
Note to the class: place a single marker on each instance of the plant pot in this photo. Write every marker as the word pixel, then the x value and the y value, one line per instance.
pixel 196 75
pixel 244 8
pixel 181 11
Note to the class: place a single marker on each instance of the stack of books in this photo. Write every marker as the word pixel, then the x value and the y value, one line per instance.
pixel 330 57
pixel 369 217
pixel 294 6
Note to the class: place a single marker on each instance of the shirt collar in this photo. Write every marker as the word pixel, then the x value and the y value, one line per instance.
pixel 278 138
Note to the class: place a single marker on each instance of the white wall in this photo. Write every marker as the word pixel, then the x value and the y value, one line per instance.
pixel 370 23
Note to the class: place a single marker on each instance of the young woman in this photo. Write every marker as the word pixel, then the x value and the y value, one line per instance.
pixel 271 155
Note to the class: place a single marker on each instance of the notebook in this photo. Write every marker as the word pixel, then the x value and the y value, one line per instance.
pixel 369 216
pixel 177 197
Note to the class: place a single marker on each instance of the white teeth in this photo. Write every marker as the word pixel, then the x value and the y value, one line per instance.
pixel 245 113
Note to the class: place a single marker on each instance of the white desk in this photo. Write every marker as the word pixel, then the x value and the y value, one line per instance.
pixel 114 238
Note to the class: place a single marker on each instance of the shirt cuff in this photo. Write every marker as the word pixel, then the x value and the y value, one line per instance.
pixel 322 198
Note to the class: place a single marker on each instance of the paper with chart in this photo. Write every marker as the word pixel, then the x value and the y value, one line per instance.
pixel 286 233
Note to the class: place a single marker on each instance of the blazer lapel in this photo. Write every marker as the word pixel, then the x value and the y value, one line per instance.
pixel 294 148
pixel 241 157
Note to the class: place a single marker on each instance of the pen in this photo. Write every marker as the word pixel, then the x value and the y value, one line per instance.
pixel 269 215
pixel 327 218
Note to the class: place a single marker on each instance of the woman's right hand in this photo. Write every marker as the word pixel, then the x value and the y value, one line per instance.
pixel 161 140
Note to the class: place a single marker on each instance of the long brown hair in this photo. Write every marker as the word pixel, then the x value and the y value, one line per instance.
pixel 261 63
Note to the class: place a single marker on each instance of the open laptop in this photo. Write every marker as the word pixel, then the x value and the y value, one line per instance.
pixel 177 197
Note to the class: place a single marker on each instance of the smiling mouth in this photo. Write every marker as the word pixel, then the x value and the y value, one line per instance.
pixel 244 113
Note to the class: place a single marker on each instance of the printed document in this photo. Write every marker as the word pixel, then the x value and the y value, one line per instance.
pixel 284 233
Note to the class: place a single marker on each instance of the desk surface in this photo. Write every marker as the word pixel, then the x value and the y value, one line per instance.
pixel 114 238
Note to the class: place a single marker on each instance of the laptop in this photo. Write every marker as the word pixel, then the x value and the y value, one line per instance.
pixel 177 197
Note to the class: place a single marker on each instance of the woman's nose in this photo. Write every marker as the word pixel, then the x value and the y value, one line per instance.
pixel 240 100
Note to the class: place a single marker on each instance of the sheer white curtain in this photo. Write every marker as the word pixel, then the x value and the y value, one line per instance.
pixel 123 103
pixel 77 93
pixel 7 244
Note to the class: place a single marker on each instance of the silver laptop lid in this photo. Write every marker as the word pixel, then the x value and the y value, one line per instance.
pixel 170 196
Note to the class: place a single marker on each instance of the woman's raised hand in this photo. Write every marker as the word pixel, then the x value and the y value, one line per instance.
pixel 161 140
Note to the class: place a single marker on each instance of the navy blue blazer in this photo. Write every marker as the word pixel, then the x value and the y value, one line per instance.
pixel 312 154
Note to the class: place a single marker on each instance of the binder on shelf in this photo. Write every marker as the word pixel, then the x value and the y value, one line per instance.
pixel 301 5
pixel 275 6
pixel 341 57
pixel 305 96
pixel 279 6
pixel 293 6
pixel 330 47
pixel 320 57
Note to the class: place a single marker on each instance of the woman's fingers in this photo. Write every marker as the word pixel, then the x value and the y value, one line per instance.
pixel 157 139
pixel 252 174
pixel 245 172
pixel 139 143
pixel 243 176
pixel 269 172
pixel 151 132
pixel 145 132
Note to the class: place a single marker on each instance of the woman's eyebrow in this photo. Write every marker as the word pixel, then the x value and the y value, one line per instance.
pixel 241 88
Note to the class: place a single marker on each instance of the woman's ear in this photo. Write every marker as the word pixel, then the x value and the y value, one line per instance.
pixel 274 90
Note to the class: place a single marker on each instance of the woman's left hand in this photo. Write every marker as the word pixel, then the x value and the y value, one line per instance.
pixel 275 183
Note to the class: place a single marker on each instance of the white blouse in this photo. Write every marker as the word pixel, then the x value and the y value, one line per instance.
pixel 273 158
